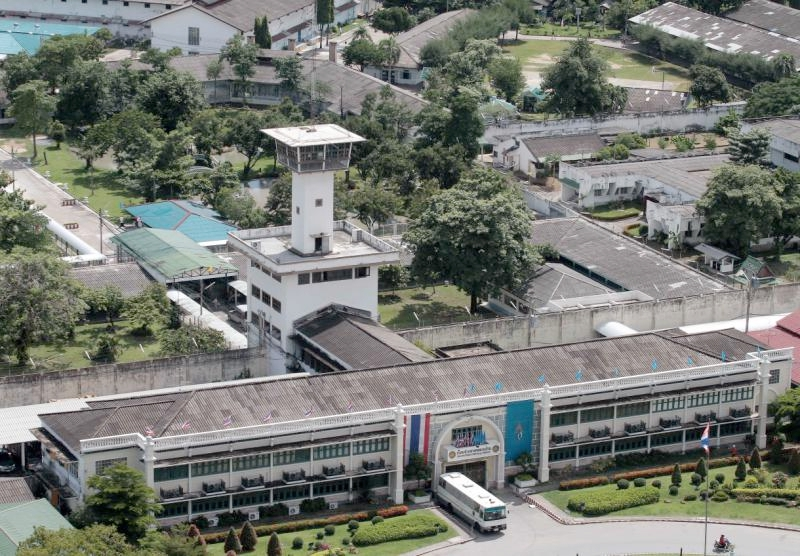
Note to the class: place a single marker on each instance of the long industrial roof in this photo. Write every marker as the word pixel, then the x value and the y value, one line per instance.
pixel 770 16
pixel 297 397
pixel 170 256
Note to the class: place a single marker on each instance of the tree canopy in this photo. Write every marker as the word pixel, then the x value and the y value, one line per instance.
pixel 475 234
pixel 749 148
pixel 774 99
pixel 579 84
pixel 709 84
pixel 92 540
pixel 786 409
pixel 740 206
pixel 33 108
pixel 21 223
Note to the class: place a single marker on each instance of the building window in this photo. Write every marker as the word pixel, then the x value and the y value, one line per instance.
pixel 738 427
pixel 597 414
pixel 468 433
pixel 210 467
pixel 331 451
pixel 258 461
pixel 251 499
pixel 331 487
pixel 256 291
pixel 668 404
pixel 332 275
pixel 628 444
pixel 276 305
pixel 318 203
pixel 265 298
pixel 297 210
pixel 560 454
pixel 105 2
pixel 194 36
pixel 594 449
pixel 563 419
pixel 173 510
pixel 83 1
pixel 276 332
pixel 371 481
pixel 303 279
pixel 631 409
pixel 791 157
pixel 774 376
pixel 126 4
pixel 168 6
pixel 291 493
pixel 173 473
pixel 146 4
pixel 667 438
pixel 706 398
pixel 737 394
pixel 362 272
pixel 290 457
pixel 406 74
pixel 101 466
pixel 210 504
pixel 370 446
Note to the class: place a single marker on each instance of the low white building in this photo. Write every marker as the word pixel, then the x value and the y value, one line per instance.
pixel 679 223
pixel 784 144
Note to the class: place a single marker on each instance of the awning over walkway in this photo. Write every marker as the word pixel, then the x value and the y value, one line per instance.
pixel 18 421
pixel 170 256
pixel 239 285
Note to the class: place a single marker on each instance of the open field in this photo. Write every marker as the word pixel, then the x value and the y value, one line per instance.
pixel 335 541
pixel 624 65
pixel 674 506
pixel 548 29
pixel 433 305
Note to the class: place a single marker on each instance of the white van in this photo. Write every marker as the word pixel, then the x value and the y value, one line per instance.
pixel 238 314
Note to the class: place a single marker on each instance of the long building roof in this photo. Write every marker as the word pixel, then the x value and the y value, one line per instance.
pixel 293 398
pixel 770 16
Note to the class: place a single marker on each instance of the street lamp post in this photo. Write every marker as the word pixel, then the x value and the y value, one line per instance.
pixel 101 213
pixel 202 291
pixel 752 284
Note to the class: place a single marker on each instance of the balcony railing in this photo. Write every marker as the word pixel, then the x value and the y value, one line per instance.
pixel 373 465
pixel 252 482
pixel 212 488
pixel 334 471
pixel 565 438
pixel 294 476
pixel 172 493
pixel 635 428
pixel 740 413
pixel 605 432
pixel 705 417
pixel 670 423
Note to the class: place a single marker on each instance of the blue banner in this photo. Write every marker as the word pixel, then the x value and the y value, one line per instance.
pixel 519 428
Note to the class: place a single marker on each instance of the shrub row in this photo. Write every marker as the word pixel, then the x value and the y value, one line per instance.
pixel 403 527
pixel 667 469
pixel 303 524
pixel 601 503
pixel 785 493
pixel 583 483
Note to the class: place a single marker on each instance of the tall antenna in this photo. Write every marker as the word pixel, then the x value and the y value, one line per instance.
pixel 314 64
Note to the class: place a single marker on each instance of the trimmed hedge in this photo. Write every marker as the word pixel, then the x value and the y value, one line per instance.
pixel 399 528
pixel 303 524
pixel 745 494
pixel 601 503
pixel 575 484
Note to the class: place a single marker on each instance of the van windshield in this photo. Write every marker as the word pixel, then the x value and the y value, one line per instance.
pixel 492 514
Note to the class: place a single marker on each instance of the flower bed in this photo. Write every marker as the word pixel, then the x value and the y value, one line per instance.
pixel 403 527
pixel 601 503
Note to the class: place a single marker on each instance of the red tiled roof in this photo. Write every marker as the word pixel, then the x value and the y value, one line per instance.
pixel 791 323
pixel 780 338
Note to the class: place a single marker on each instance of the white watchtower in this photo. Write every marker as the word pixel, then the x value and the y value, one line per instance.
pixel 315 262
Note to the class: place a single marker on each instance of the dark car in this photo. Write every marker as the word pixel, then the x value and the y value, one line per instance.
pixel 7 463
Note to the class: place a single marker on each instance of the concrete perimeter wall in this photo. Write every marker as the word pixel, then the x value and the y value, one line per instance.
pixel 123 378
pixel 578 325
pixel 646 122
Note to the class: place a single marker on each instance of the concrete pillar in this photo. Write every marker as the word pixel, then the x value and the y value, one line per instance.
pixel 397 472
pixel 332 51
pixel 763 383
pixel 149 460
pixel 544 437
pixel 292 45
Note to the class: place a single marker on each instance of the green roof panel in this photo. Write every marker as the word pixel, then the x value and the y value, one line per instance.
pixel 18 520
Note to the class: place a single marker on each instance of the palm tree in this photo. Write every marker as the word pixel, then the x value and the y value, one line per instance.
pixel 390 54
pixel 783 66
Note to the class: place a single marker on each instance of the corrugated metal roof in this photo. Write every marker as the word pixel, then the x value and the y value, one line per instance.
pixel 557 281
pixel 172 254
pixel 791 323
pixel 17 521
pixel 14 490
pixel 18 421
pixel 769 16
pixel 564 145
pixel 781 338
pixel 129 277
pixel 619 260
pixel 359 343
pixel 198 222
pixel 206 409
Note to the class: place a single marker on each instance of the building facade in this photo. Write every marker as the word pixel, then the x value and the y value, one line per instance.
pixel 343 436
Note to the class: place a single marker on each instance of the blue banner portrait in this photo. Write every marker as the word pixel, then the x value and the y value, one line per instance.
pixel 519 428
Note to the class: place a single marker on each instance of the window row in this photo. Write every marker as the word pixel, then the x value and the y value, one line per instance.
pixel 738 394
pixel 704 398
pixel 332 451
pixel 275 276
pixel 332 275
pixel 101 466
pixel 370 446
pixel 290 457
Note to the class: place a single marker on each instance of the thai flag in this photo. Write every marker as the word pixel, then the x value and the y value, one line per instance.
pixel 308 412
pixel 350 406
pixel 416 435
pixel 704 438
pixel 228 421
pixel 185 426
pixel 149 432
pixel 268 417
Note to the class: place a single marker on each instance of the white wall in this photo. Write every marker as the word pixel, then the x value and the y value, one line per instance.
pixel 661 218
pixel 172 30
pixel 414 75
pixel 134 11
pixel 309 220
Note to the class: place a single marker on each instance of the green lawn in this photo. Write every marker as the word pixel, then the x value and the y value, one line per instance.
pixel 616 211
pixel 674 506
pixel 384 549
pixel 536 55
pixel 71 355
pixel 435 305
pixel 788 267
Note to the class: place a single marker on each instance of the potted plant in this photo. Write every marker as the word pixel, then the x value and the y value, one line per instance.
pixel 525 478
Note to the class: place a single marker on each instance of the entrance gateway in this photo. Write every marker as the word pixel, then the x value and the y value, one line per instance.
pixel 475 470
pixel 472 445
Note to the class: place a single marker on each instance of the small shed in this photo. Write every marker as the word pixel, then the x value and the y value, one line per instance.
pixel 753 267
pixel 717 259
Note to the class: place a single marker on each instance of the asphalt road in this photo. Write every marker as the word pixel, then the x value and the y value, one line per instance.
pixel 532 532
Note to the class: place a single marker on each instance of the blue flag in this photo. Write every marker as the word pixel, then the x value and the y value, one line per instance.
pixel 689 361
pixel 471 388
pixel 724 356
pixel 654 365
pixel 541 378
pixel 615 372
pixel 498 386
pixel 578 374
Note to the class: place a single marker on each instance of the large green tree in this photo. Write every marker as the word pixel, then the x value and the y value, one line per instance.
pixel 18 69
pixel 361 53
pixel 290 72
pixel 190 338
pixel 393 20
pixel 39 302
pixel 749 148
pixel 33 108
pixel 148 310
pixel 242 56
pixel 709 85
pixel 788 225
pixel 505 73
pixel 261 34
pixel 476 234
pixel 579 84
pixel 83 98
pixel 57 55
pixel 122 498
pixel 21 223
pixel 174 97
pixel 774 99
pixel 93 540
pixel 453 121
pixel 740 206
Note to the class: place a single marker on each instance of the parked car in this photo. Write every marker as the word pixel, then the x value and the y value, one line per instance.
pixel 7 463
